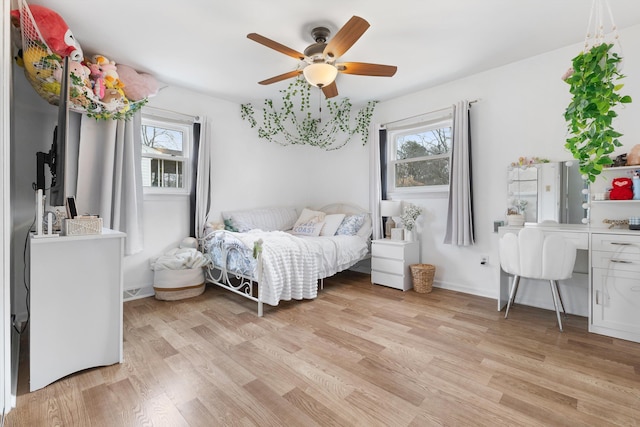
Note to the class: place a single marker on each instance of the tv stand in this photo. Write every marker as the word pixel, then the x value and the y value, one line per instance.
pixel 76 304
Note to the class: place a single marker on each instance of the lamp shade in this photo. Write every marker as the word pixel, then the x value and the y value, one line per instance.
pixel 390 208
pixel 320 74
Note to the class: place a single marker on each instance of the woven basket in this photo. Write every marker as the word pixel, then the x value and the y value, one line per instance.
pixel 423 277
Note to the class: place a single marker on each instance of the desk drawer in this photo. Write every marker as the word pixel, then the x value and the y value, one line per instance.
pixel 620 243
pixel 387 251
pixel 386 265
pixel 616 261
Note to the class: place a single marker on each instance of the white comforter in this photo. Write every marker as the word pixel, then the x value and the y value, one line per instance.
pixel 292 265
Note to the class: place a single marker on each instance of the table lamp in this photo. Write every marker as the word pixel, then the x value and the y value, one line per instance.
pixel 389 209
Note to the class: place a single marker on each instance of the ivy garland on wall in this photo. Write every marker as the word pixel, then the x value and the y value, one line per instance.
pixel 291 125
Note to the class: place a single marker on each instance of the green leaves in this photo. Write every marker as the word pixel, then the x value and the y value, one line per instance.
pixel 590 113
pixel 291 125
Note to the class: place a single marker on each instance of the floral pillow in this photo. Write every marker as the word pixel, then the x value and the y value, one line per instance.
pixel 350 225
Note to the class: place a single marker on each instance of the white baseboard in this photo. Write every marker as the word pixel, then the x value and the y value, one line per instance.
pixel 137 293
pixel 464 289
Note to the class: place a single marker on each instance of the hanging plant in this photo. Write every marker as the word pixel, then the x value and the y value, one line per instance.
pixel 291 125
pixel 590 113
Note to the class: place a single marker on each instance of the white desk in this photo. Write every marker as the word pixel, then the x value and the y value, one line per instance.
pixel 613 279
pixel 76 304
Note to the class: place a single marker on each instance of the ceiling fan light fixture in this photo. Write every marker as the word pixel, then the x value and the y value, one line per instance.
pixel 320 74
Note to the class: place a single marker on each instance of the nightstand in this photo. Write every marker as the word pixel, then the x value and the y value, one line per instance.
pixel 390 261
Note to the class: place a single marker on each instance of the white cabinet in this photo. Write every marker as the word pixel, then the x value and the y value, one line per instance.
pixel 76 304
pixel 615 290
pixel 390 260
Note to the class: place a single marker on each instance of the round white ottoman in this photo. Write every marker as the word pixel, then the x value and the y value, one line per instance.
pixel 172 285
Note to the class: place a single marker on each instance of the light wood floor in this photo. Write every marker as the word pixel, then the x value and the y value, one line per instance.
pixel 358 355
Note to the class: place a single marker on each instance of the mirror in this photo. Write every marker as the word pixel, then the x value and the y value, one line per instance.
pixel 547 192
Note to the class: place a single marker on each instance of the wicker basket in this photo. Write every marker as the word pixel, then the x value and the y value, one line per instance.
pixel 423 277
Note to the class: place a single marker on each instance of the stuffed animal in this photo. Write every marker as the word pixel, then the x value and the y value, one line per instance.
pixel 622 189
pixel 55 32
pixel 97 79
pixel 38 64
pixel 137 86
pixel 633 156
pixel 108 70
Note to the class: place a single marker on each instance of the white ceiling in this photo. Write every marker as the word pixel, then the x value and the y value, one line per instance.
pixel 202 44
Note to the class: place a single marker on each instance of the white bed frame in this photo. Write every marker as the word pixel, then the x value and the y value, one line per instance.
pixel 249 287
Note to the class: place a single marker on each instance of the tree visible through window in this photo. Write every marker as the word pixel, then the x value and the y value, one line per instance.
pixel 165 152
pixel 421 157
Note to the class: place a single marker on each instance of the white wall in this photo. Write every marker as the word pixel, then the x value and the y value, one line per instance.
pixel 248 173
pixel 519 113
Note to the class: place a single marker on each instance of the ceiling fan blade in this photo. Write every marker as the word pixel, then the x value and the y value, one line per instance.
pixel 364 69
pixel 275 46
pixel 331 90
pixel 281 77
pixel 346 37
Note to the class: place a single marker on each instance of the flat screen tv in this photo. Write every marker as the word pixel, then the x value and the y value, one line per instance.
pixel 56 157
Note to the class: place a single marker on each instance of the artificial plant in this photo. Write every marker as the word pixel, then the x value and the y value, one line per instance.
pixel 593 84
pixel 294 123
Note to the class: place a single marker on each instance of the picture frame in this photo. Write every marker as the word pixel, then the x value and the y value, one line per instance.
pixel 70 204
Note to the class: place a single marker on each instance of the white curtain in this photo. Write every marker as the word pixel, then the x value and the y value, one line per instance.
pixel 109 181
pixel 203 180
pixel 375 187
pixel 460 216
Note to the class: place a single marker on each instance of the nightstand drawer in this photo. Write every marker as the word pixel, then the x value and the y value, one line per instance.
pixel 387 251
pixel 386 265
pixel 390 280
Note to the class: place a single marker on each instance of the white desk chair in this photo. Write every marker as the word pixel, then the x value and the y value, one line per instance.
pixel 533 255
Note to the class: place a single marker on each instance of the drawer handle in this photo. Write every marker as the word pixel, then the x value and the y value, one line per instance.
pixel 621 243
pixel 621 261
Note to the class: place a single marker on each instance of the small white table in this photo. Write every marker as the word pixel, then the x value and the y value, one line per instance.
pixel 390 261
pixel 76 304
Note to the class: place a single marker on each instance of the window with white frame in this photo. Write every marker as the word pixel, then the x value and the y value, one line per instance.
pixel 419 157
pixel 166 149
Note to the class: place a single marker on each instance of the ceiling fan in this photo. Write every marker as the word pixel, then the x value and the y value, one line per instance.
pixel 319 65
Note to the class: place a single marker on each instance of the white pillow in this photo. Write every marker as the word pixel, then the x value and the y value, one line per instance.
pixel 308 216
pixel 308 229
pixel 331 224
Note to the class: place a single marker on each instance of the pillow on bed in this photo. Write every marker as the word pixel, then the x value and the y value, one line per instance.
pixel 308 229
pixel 331 224
pixel 350 225
pixel 308 216
pixel 266 219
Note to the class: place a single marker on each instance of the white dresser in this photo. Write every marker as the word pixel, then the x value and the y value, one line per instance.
pixel 390 261
pixel 76 304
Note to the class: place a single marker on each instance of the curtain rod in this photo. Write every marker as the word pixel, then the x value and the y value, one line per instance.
pixel 155 111
pixel 424 114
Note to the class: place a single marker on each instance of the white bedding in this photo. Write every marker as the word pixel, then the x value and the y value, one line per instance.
pixel 292 265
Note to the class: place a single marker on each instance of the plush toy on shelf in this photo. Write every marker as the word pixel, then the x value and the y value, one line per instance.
pixel 622 189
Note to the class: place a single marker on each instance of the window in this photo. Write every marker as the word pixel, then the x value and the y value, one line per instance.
pixel 166 147
pixel 419 157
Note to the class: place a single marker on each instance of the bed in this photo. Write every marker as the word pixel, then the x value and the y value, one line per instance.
pixel 279 254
